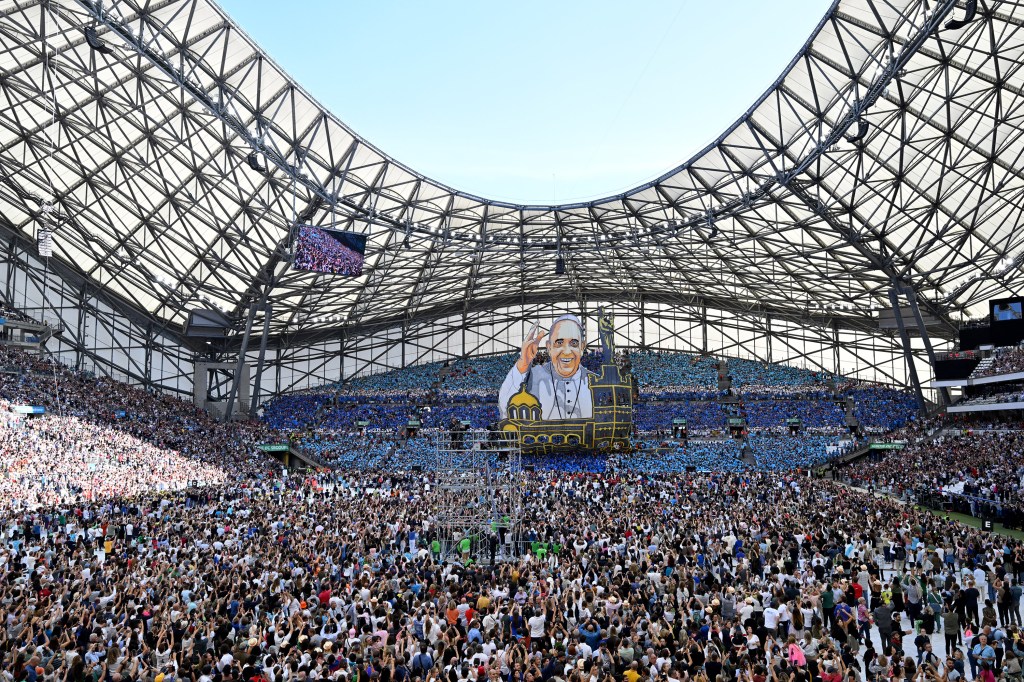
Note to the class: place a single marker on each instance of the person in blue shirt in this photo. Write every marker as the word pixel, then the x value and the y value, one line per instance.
pixel 590 633
pixel 422 662
pixel 474 634
pixel 984 653
pixel 844 619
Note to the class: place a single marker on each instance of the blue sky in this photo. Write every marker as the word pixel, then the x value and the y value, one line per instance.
pixel 530 101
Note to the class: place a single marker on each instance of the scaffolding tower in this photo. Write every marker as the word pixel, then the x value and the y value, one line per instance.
pixel 478 478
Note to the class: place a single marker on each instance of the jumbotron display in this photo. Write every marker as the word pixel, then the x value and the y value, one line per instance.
pixel 332 252
pixel 560 405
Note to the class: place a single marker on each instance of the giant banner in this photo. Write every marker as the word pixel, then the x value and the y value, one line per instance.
pixel 558 405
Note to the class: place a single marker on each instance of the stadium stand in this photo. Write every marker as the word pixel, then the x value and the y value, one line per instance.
pixel 753 373
pixel 1006 361
pixel 100 439
pixel 293 412
pixel 673 371
pixel 465 391
pixel 773 413
pixel 881 409
pixel 157 166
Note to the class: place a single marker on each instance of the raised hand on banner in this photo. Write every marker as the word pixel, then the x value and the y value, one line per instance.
pixel 531 344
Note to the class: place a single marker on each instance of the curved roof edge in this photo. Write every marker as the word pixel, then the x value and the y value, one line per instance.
pixel 545 207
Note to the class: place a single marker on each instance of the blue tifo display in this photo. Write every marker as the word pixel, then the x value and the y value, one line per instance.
pixel 560 406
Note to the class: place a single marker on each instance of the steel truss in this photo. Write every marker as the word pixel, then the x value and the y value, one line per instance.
pixel 478 479
pixel 688 327
pixel 178 158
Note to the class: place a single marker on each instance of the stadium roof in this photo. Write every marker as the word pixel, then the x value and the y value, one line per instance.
pixel 179 154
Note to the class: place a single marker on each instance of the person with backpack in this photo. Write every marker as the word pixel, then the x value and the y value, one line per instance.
pixel 422 662
pixel 951 627
pixel 900 556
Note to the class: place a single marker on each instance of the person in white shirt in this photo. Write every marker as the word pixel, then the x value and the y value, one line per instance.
pixel 771 619
pixel 746 611
pixel 537 623
pixel 980 579
pixel 785 618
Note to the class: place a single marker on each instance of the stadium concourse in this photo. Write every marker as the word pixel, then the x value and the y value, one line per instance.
pixel 144 542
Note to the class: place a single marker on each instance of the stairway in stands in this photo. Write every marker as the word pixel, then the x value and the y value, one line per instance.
pixel 322 410
pixel 747 455
pixel 724 380
pixel 442 374
pixel 395 447
pixel 982 367
pixel 851 415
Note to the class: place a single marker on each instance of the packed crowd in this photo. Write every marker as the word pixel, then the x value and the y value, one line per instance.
pixel 316 250
pixel 100 439
pixel 671 385
pixel 1003 394
pixel 752 372
pixel 700 416
pixel 351 450
pixel 293 412
pixel 441 396
pixel 479 377
pixel 676 456
pixel 627 568
pixel 679 394
pixel 346 416
pixel 1005 362
pixel 666 371
pixel 783 392
pixel 11 313
pixel 773 413
pixel 881 409
pixel 984 464
pixel 413 380
pixel 781 452
pixel 479 416
pixel 54 460
pixel 620 576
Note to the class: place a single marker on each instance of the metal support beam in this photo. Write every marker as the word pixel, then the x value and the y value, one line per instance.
pixel 704 328
pixel 643 325
pixel 241 361
pixel 894 299
pixel 911 296
pixel 267 314
pixel 835 350
pixel 83 306
pixel 148 349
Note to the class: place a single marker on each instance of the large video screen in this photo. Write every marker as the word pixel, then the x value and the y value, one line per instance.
pixel 1007 311
pixel 554 402
pixel 334 252
pixel 1006 317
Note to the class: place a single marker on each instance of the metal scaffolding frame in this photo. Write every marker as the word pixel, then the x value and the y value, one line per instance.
pixel 177 154
pixel 478 482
